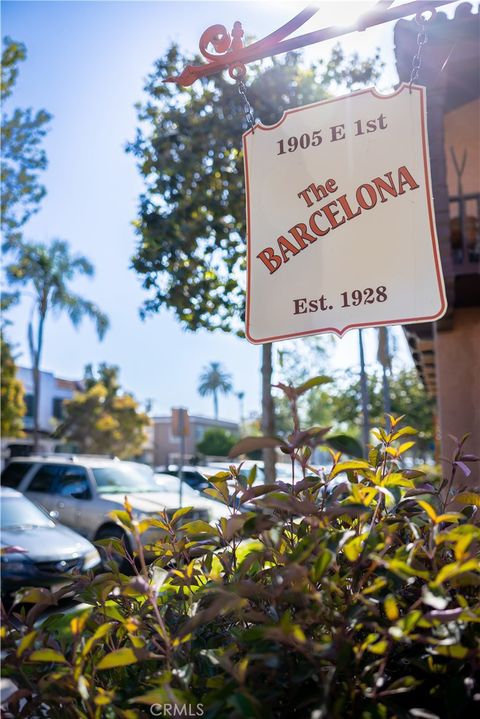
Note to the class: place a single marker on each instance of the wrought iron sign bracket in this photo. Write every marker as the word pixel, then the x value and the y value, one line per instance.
pixel 231 54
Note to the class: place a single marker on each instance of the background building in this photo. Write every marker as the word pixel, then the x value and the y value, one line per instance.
pixel 166 446
pixel 447 352
pixel 53 391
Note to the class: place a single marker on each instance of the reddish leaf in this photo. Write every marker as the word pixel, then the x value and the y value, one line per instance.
pixel 250 444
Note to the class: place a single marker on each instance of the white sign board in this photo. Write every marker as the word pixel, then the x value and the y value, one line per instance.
pixel 340 221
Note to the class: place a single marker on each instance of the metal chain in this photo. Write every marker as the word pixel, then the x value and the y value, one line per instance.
pixel 247 108
pixel 422 39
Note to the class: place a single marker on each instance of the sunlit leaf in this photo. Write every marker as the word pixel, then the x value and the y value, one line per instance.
pixel 402 432
pixel 47 655
pixel 428 509
pixel 391 608
pixel 198 526
pixel 26 642
pixel 313 382
pixel 118 658
pixel 180 513
pixel 357 464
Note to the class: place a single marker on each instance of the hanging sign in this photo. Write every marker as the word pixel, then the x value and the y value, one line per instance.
pixel 340 221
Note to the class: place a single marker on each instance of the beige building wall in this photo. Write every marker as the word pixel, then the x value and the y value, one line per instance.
pixel 458 381
pixel 462 132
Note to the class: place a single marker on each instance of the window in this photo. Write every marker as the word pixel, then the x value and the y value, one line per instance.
pixel 73 482
pixel 122 477
pixel 14 473
pixel 44 479
pixel 57 409
pixel 29 404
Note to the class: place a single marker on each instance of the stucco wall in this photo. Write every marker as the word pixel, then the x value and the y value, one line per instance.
pixel 458 381
pixel 462 132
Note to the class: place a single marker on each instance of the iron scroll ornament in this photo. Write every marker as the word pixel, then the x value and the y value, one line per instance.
pixel 231 54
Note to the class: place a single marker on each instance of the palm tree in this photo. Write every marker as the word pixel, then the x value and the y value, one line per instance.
pixel 47 270
pixel 214 380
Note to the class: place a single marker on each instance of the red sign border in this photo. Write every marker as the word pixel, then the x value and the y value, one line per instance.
pixel 433 233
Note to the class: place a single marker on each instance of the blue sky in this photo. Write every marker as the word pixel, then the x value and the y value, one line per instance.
pixel 86 65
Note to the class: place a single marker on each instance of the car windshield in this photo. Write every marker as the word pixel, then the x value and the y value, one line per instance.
pixel 170 484
pixel 19 513
pixel 120 478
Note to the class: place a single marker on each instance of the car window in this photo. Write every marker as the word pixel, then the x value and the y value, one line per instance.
pixel 124 477
pixel 14 473
pixel 44 479
pixel 73 482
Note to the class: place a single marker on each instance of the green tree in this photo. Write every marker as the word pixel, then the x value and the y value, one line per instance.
pixel 12 393
pixel 23 157
pixel 191 216
pixel 102 419
pixel 216 443
pixel 214 380
pixel 46 271
pixel 340 404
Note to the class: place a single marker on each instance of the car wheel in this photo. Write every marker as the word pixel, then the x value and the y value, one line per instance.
pixel 113 532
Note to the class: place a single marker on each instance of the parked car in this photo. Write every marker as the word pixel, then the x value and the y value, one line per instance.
pixel 35 550
pixel 83 491
pixel 169 484
pixel 195 476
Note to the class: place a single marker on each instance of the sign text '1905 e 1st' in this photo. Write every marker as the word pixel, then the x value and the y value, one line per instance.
pixel 341 231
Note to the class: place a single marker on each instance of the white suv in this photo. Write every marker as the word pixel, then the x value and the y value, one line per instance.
pixel 81 491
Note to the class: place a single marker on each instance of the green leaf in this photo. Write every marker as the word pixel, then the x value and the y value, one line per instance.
pixel 454 569
pixel 198 526
pixel 180 513
pixel 353 547
pixel 404 447
pixel 47 655
pixel 428 509
pixel 313 382
pixel 321 565
pixel 118 658
pixel 468 498
pixel 403 569
pixel 404 684
pixel 402 432
pixel 455 651
pixel 26 642
pixel 101 632
pixel 379 647
pixel 356 464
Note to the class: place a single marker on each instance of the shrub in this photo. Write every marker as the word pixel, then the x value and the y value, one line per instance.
pixel 216 443
pixel 347 596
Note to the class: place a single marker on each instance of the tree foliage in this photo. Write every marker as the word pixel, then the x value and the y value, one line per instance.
pixel 12 392
pixel 191 217
pixel 341 403
pixel 216 442
pixel 102 419
pixel 47 270
pixel 23 157
pixel 213 381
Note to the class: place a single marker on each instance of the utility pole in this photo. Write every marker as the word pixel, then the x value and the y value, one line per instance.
pixel 240 396
pixel 364 396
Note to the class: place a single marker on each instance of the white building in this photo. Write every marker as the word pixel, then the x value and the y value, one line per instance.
pixel 53 391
